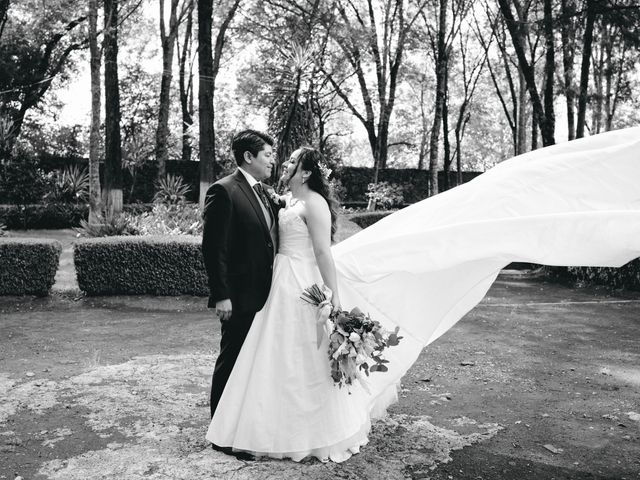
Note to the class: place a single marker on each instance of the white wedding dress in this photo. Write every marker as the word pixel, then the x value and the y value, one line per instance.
pixel 422 269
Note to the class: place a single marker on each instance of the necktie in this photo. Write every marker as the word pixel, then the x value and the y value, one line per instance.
pixel 263 198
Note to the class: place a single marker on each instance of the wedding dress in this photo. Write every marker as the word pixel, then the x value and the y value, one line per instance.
pixel 422 269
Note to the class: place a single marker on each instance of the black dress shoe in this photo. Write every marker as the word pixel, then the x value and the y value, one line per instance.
pixel 247 457
pixel 226 450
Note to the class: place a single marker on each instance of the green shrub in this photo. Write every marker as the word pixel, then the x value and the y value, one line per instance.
pixel 106 225
pixel 49 216
pixel 69 185
pixel 28 266
pixel 22 183
pixel 365 219
pixel 626 277
pixel 177 219
pixel 171 189
pixel 385 194
pixel 137 208
pixel 152 265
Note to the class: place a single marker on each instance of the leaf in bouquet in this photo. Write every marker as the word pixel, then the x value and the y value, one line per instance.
pixel 355 311
pixel 379 368
pixel 393 340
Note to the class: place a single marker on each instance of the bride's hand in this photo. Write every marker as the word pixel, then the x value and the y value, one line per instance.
pixel 336 304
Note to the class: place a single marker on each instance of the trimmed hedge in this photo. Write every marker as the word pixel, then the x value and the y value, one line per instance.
pixel 149 265
pixel 28 265
pixel 54 215
pixel 626 277
pixel 43 216
pixel 366 219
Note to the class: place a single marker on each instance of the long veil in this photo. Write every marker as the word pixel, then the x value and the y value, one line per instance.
pixel 424 267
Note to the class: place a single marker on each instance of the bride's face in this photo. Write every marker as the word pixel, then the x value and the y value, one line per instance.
pixel 291 172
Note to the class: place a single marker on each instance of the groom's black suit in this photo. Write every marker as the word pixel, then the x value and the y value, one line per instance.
pixel 238 249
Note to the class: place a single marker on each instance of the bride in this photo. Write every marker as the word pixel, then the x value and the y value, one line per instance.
pixel 422 269
pixel 280 400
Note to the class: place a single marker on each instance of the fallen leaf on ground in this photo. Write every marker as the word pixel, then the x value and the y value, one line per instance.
pixel 553 449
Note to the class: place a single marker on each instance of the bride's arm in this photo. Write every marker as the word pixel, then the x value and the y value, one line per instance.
pixel 318 218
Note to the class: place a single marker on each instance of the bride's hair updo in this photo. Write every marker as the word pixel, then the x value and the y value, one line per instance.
pixel 311 160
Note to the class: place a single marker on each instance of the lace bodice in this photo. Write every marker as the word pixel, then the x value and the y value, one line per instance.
pixel 294 238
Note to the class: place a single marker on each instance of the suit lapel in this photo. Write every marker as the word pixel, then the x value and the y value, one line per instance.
pixel 251 196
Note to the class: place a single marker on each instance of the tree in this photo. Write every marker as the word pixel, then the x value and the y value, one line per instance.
pixel 185 81
pixel 113 154
pixel 371 33
pixel 471 73
pixel 442 38
pixel 168 41
pixel 36 41
pixel 209 65
pixel 543 115
pixel 95 200
pixel 569 27
pixel 610 35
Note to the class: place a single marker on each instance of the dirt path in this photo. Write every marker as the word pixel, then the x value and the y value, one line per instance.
pixel 116 388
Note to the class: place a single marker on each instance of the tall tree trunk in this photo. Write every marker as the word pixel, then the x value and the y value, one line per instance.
pixel 441 74
pixel 113 154
pixel 598 79
pixel 445 137
pixel 209 64
pixel 186 90
pixel 522 114
pixel 205 97
pixel 568 52
pixel 614 96
pixel 425 131
pixel 168 40
pixel 95 199
pixel 584 70
pixel 549 125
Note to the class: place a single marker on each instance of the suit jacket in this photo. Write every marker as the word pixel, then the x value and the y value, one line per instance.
pixel 237 246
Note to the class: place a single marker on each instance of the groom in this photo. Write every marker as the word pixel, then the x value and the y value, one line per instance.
pixel 239 242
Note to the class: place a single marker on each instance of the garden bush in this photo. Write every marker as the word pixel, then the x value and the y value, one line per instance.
pixel 173 219
pixel 386 195
pixel 22 183
pixel 626 277
pixel 366 219
pixel 28 266
pixel 151 265
pixel 41 216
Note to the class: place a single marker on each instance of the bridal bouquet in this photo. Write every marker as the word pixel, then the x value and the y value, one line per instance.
pixel 356 342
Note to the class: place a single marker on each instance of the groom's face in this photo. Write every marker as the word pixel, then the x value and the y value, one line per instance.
pixel 260 165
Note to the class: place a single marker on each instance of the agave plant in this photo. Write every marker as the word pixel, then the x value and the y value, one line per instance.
pixel 70 184
pixel 171 190
pixel 106 226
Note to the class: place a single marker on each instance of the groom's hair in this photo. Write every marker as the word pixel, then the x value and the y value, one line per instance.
pixel 249 141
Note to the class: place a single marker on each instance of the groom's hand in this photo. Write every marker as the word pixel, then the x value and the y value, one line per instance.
pixel 224 309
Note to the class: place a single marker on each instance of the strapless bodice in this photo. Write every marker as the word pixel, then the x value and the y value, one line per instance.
pixel 294 238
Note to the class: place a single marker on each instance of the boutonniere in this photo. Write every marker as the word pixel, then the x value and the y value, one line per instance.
pixel 275 198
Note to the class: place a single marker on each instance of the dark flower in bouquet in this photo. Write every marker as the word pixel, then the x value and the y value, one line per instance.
pixel 356 342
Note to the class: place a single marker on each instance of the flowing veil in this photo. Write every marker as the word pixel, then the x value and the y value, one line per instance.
pixel 424 267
